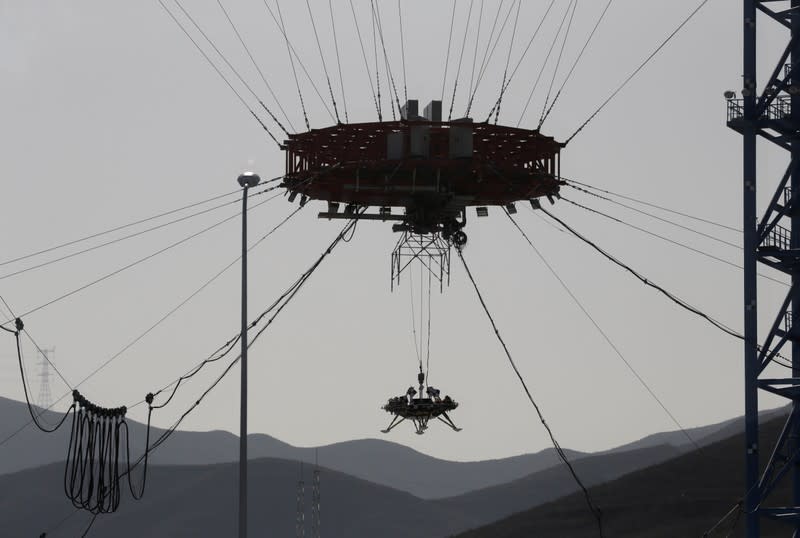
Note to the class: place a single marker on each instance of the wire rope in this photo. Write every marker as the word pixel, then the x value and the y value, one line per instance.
pixel 366 62
pixel 668 240
pixel 655 206
pixel 637 71
pixel 475 55
pixel 460 59
pixel 377 15
pixel 596 512
pixel 217 70
pixel 577 60
pixel 402 48
pixel 449 42
pixel 338 60
pixel 558 64
pixel 605 336
pixel 260 72
pixel 291 61
pixel 324 64
pixel 375 55
pixel 503 89
pixel 546 60
pixel 505 70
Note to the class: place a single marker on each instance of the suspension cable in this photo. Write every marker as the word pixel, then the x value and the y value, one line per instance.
pixel 596 512
pixel 377 15
pixel 449 42
pixel 324 64
pixel 656 217
pixel 402 48
pixel 414 319
pixel 605 336
pixel 655 206
pixel 668 240
pixel 460 59
pixel 475 54
pixel 338 60
pixel 366 63
pixel 260 72
pixel 521 58
pixel 636 71
pixel 546 60
pixel 217 70
pixel 558 64
pixel 575 64
pixel 375 55
pixel 291 61
pixel 505 71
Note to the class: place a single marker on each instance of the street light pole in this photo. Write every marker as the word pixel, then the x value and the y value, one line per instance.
pixel 246 180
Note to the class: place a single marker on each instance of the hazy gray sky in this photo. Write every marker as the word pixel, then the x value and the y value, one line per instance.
pixel 109 114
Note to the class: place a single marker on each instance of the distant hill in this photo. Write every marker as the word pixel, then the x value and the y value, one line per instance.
pixel 682 497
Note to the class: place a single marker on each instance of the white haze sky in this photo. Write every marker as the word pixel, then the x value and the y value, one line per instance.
pixel 108 114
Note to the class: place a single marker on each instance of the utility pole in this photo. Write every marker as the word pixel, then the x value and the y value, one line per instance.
pixel 772 115
pixel 246 181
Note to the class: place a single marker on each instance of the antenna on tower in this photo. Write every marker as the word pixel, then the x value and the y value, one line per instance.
pixel 45 399
pixel 315 499
pixel 300 519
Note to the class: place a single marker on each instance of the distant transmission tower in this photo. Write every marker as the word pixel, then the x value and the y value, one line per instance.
pixel 300 519
pixel 45 398
pixel 315 503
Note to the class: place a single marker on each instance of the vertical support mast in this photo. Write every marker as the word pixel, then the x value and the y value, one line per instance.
pixel 772 115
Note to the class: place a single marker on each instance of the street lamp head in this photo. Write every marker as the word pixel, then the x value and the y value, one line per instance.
pixel 249 179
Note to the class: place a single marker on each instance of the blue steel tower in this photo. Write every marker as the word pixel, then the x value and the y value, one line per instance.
pixel 770 114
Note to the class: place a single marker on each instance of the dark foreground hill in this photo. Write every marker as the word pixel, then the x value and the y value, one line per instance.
pixel 682 497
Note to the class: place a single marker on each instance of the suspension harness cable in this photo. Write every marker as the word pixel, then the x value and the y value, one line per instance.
pixel 216 68
pixel 596 512
pixel 575 64
pixel 636 71
pixel 505 86
pixel 605 336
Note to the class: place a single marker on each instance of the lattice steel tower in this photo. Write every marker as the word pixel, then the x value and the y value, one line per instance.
pixel 771 113
pixel 45 397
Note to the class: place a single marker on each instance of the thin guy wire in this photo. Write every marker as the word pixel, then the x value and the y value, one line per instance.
pixel 260 72
pixel 291 61
pixel 505 71
pixel 636 71
pixel 475 54
pixel 366 62
pixel 578 59
pixel 377 14
pixel 338 60
pixel 558 64
pixel 603 334
pixel 402 48
pixel 324 64
pixel 460 59
pixel 544 65
pixel 449 42
pixel 562 455
pixel 488 54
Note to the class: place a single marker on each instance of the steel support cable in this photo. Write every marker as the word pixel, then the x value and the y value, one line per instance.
pixel 460 59
pixel 449 42
pixel 402 48
pixel 136 262
pixel 489 53
pixel 668 240
pixel 261 74
pixel 677 300
pixel 605 336
pixel 428 340
pixel 122 227
pixel 656 217
pixel 414 319
pixel 375 55
pixel 167 433
pixel 655 206
pixel 366 63
pixel 324 64
pixel 225 59
pixel 596 512
pixel 505 70
pixel 291 61
pixel 421 309
pixel 300 61
pixel 575 63
pixel 558 64
pixel 636 71
pixel 116 240
pixel 338 60
pixel 546 60
pixel 475 54
pixel 505 86
pixel 153 327
pixel 377 15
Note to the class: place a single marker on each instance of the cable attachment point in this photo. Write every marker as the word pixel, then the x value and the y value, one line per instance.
pixel 149 398
pixel 19 325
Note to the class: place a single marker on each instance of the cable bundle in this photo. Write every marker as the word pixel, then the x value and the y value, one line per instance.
pixel 92 477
